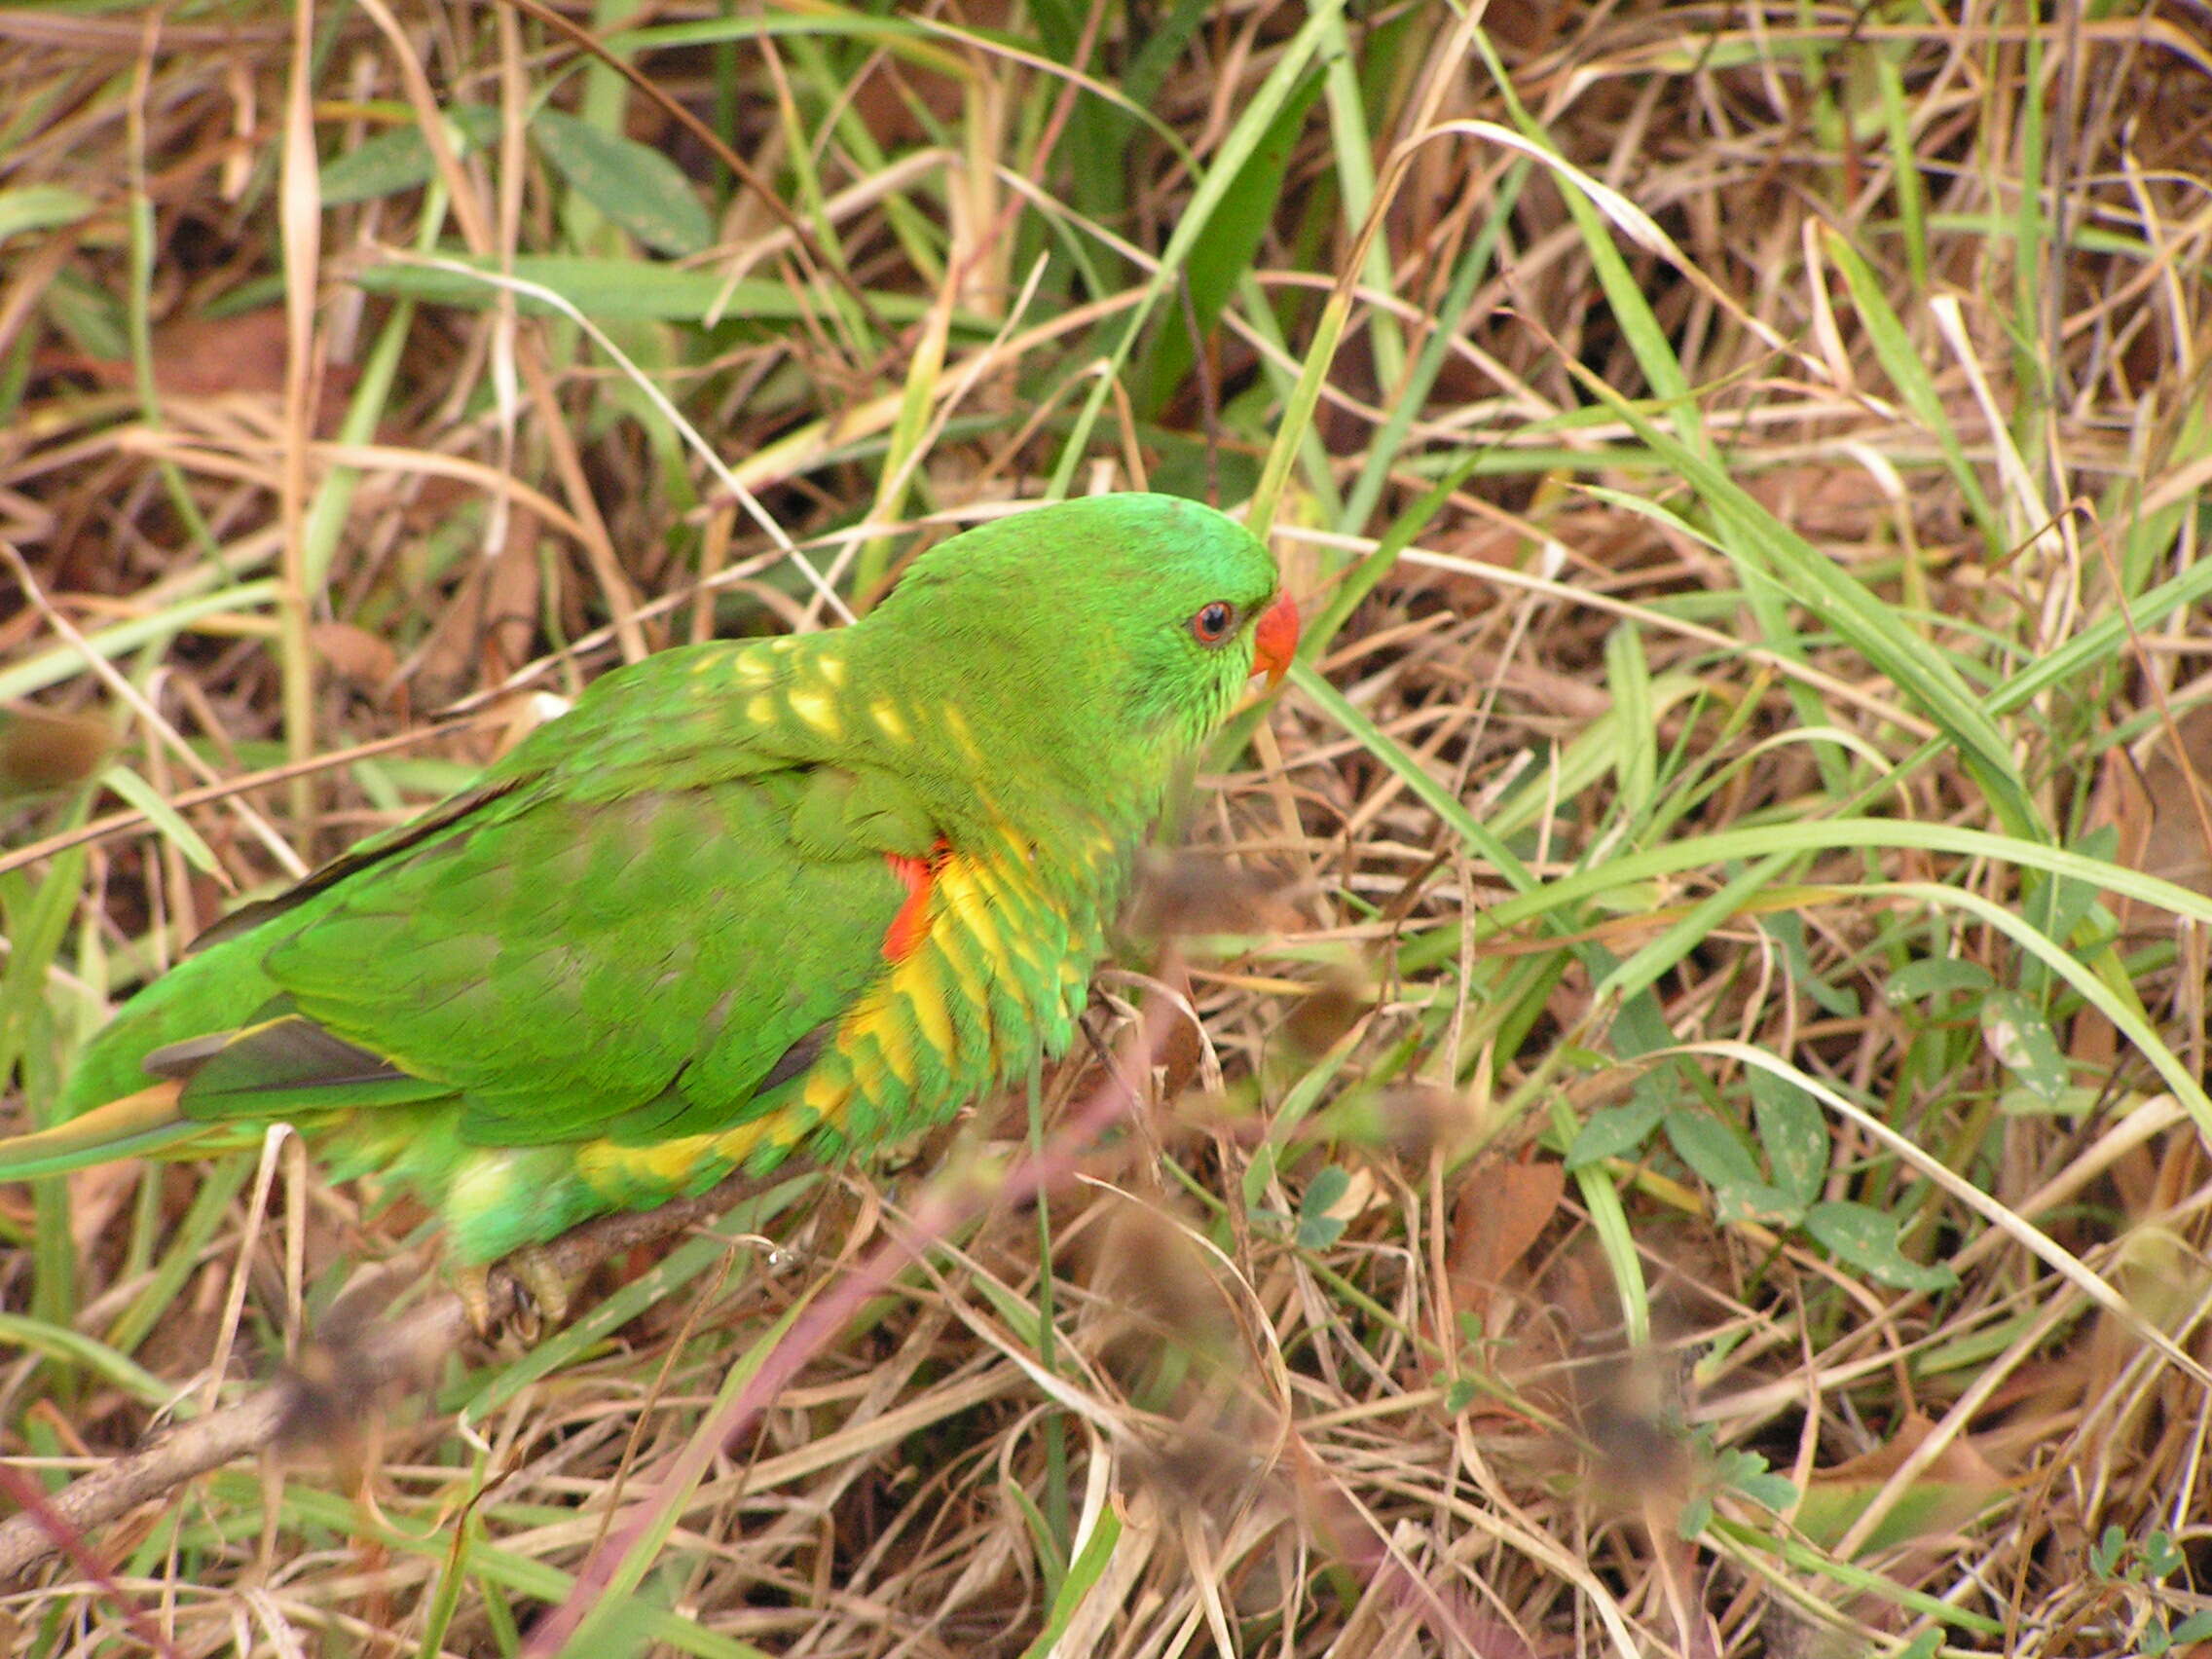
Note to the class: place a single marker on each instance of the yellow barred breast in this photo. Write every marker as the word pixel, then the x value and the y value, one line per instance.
pixel 999 972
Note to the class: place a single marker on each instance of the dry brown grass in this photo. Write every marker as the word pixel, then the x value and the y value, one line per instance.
pixel 1603 796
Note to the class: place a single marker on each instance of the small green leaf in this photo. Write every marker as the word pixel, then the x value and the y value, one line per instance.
pixel 399 160
pixel 632 184
pixel 1326 1187
pixel 1788 930
pixel 629 290
pixel 1617 1131
pixel 1718 1153
pixel 2073 1101
pixel 1769 1491
pixel 1317 1230
pixel 1749 1474
pixel 41 207
pixel 1696 1516
pixel 1794 1133
pixel 2013 1027
pixel 1863 1237
pixel 1934 976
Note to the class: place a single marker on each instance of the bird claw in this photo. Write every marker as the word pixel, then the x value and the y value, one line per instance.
pixel 543 1303
pixel 545 1287
pixel 474 1285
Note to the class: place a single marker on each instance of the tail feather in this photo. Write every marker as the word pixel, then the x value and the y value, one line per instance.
pixel 133 1127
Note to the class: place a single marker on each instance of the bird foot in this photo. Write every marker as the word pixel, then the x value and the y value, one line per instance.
pixel 474 1285
pixel 544 1302
pixel 545 1287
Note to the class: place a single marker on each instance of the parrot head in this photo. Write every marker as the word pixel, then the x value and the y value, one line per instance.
pixel 1108 619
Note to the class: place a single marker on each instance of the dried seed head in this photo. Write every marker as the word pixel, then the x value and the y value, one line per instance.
pixel 1318 1021
pixel 41 751
pixel 1152 1269
pixel 348 1375
pixel 1416 1120
pixel 1184 893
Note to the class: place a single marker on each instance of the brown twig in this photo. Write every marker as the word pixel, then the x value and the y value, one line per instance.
pixel 385 1355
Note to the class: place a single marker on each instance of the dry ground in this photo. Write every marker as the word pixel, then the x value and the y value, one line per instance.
pixel 1692 1140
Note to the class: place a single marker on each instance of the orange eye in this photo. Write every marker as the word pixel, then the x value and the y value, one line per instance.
pixel 1213 623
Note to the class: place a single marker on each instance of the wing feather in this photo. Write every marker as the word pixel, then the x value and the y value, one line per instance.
pixel 642 923
pixel 637 968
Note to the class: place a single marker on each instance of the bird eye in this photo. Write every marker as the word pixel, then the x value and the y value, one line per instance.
pixel 1213 622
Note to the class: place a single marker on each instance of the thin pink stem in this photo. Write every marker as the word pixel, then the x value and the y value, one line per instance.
pixel 934 1220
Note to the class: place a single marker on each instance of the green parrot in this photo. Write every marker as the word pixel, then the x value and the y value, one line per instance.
pixel 744 900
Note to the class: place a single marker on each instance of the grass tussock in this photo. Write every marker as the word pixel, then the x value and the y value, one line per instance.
pixel 1671 1114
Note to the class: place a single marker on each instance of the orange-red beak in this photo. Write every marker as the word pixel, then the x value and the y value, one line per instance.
pixel 1275 642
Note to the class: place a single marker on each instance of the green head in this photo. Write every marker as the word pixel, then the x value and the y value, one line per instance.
pixel 1094 628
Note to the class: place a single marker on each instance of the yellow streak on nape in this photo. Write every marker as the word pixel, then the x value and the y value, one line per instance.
pixel 885 712
pixel 749 668
pixel 817 709
pixel 832 665
pixel 760 708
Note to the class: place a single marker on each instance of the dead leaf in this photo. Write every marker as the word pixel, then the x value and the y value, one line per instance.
pixel 1503 1207
pixel 355 655
pixel 203 356
pixel 217 356
pixel 1957 1486
pixel 2160 807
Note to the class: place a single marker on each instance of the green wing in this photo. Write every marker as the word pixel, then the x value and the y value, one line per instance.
pixel 640 923
pixel 632 968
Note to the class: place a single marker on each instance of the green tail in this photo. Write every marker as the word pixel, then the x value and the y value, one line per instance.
pixel 134 1126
